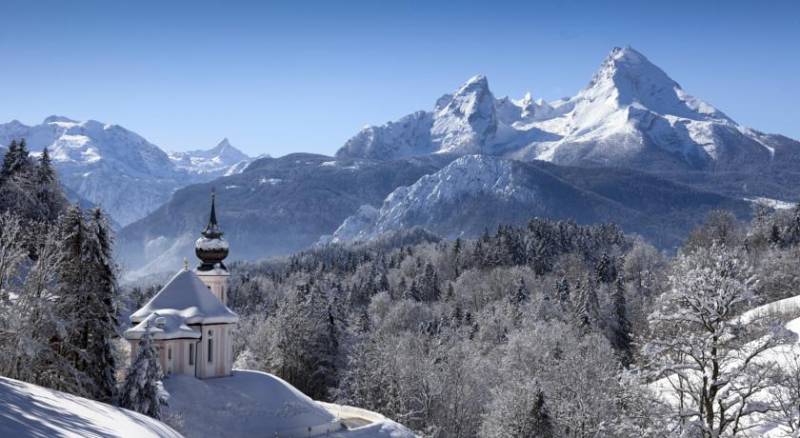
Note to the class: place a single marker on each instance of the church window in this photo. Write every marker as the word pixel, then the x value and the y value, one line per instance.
pixel 191 354
pixel 210 346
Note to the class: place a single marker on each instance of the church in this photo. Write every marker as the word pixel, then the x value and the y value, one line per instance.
pixel 188 319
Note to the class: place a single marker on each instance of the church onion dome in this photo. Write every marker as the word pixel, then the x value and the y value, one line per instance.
pixel 211 248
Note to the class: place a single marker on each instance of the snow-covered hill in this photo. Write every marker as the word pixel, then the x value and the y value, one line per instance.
pixel 28 410
pixel 261 404
pixel 117 168
pixel 476 192
pixel 631 113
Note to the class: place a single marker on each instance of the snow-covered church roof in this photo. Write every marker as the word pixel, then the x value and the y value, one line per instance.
pixel 164 324
pixel 185 298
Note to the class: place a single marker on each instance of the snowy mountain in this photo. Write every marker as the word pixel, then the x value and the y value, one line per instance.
pixel 116 168
pixel 630 114
pixel 276 206
pixel 31 410
pixel 222 159
pixel 476 192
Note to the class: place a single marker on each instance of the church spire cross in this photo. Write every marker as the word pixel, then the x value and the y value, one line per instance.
pixel 212 229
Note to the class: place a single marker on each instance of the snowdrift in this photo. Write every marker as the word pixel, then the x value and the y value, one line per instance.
pixel 33 411
pixel 253 403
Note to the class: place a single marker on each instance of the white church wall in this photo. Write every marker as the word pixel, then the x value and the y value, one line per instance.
pixel 220 362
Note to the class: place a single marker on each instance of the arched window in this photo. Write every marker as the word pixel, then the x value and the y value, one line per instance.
pixel 191 353
pixel 210 347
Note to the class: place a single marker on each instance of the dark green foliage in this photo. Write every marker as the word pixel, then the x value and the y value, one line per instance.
pixel 30 189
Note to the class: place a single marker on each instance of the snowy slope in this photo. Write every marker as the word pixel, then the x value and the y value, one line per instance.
pixel 114 167
pixel 631 113
pixel 476 192
pixel 30 410
pixel 259 404
pixel 785 355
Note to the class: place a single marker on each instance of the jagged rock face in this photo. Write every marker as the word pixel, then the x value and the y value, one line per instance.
pixel 630 114
pixel 113 167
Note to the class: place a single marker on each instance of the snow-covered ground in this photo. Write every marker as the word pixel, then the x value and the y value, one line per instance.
pixel 252 403
pixel 28 410
pixel 777 204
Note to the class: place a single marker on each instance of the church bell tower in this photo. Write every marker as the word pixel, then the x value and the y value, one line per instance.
pixel 212 249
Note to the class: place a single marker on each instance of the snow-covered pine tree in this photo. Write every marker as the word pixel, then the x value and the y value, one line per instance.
pixel 48 192
pixel 87 298
pixel 101 310
pixel 622 340
pixel 71 307
pixel 538 423
pixel 15 161
pixel 141 391
pixel 587 307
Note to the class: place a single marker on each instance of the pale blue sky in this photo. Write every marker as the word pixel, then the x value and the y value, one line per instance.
pixel 280 77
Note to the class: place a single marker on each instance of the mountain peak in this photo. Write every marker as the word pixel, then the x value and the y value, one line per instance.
pixel 628 54
pixel 477 83
pixel 626 70
pixel 222 145
pixel 56 118
pixel 227 151
pixel 627 78
pixel 464 121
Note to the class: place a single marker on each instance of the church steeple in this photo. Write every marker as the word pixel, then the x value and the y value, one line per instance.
pixel 212 230
pixel 211 248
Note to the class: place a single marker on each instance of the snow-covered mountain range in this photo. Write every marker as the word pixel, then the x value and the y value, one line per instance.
pixel 476 192
pixel 630 114
pixel 117 168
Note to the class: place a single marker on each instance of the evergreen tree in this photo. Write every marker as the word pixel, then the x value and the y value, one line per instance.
pixel 44 171
pixel 521 293
pixel 538 423
pixel 73 294
pixel 48 191
pixel 605 271
pixel 587 307
pixel 8 161
pixel 88 291
pixel 102 308
pixel 562 290
pixel 622 341
pixel 141 391
pixel 16 161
